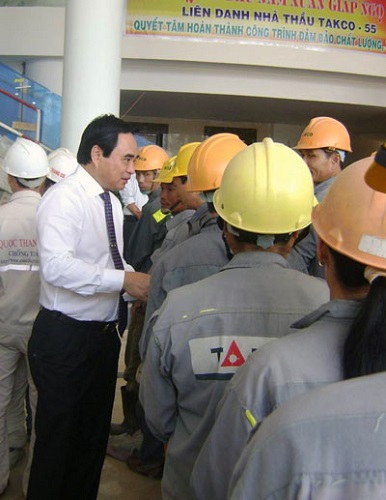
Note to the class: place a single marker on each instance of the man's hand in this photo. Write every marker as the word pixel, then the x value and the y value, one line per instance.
pixel 134 210
pixel 137 285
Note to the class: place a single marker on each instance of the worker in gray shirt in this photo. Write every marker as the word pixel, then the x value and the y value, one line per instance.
pixel 182 203
pixel 205 331
pixel 323 145
pixel 203 253
pixel 323 444
pixel 315 354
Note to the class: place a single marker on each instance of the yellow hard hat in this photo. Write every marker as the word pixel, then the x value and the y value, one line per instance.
pixel 376 174
pixel 209 160
pixel 164 175
pixel 267 188
pixel 183 157
pixel 179 166
pixel 324 133
pixel 351 218
pixel 150 157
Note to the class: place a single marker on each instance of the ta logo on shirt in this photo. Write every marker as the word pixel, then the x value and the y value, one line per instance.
pixel 218 357
pixel 233 356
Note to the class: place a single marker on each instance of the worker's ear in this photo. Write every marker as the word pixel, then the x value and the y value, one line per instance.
pixel 335 159
pixel 294 236
pixel 322 252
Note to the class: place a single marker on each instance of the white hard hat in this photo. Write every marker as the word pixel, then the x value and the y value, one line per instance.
pixel 62 163
pixel 26 160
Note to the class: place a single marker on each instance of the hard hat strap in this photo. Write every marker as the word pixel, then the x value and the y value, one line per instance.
pixel 340 152
pixel 30 183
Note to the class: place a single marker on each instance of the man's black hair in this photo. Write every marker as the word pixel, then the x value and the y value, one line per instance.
pixel 103 131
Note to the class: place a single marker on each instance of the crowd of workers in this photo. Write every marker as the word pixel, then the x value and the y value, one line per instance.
pixel 251 281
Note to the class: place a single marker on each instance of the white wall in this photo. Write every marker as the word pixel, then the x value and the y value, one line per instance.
pixel 247 80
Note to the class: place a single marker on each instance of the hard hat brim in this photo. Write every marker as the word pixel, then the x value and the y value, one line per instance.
pixel 375 177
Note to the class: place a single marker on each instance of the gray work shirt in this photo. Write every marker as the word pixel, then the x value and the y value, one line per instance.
pixel 201 219
pixel 276 373
pixel 303 256
pixel 328 443
pixel 201 335
pixel 196 258
pixel 177 231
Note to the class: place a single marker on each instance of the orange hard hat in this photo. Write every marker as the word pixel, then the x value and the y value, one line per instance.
pixel 150 157
pixel 209 159
pixel 351 218
pixel 324 133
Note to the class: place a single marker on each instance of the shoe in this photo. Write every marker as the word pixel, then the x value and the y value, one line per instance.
pixel 16 455
pixel 153 470
pixel 123 446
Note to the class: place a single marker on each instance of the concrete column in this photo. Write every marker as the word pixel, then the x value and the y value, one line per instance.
pixel 92 64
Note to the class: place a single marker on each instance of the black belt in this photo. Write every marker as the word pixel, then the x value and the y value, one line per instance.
pixel 109 326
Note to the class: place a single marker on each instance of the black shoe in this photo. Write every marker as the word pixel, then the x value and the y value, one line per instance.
pixel 153 470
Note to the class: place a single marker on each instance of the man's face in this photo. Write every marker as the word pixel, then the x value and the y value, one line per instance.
pixel 170 198
pixel 322 166
pixel 188 198
pixel 145 180
pixel 113 172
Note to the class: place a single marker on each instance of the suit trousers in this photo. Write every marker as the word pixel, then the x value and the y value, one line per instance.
pixel 74 366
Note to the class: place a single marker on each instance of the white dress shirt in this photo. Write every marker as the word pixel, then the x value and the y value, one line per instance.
pixel 132 194
pixel 78 277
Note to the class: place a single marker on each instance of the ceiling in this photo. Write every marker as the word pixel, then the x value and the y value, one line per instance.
pixel 225 108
